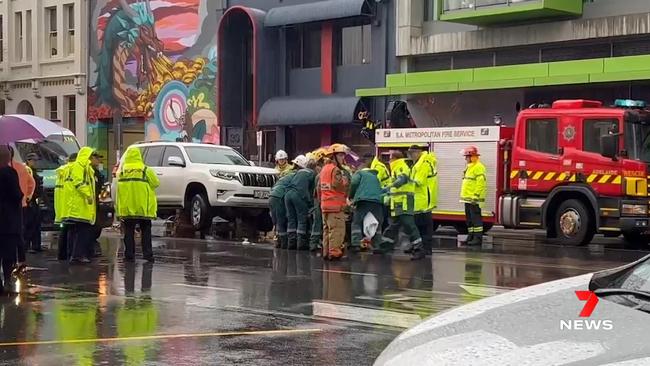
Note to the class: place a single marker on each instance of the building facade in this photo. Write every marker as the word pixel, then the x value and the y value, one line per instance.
pixel 43 60
pixel 463 62
pixel 290 69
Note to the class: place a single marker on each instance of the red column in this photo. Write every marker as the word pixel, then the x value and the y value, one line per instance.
pixel 327 58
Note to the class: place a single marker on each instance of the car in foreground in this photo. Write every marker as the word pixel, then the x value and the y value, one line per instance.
pixel 592 319
pixel 207 181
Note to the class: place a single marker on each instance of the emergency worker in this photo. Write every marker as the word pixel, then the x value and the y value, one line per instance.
pixel 27 186
pixel 282 163
pixel 10 210
pixel 425 177
pixel 136 203
pixel 60 207
pixel 79 191
pixel 95 163
pixel 402 208
pixel 383 174
pixel 298 200
pixel 333 188
pixel 32 213
pixel 316 236
pixel 472 194
pixel 367 197
pixel 278 209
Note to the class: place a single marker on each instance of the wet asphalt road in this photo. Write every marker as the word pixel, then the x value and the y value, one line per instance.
pixel 220 303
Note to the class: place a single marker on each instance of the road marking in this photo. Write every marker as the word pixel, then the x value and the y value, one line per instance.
pixel 346 272
pixel 163 336
pixel 204 287
pixel 364 314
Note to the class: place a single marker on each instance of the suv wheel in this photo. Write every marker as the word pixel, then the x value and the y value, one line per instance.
pixel 199 212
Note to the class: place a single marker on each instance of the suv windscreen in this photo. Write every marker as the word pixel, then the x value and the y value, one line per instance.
pixel 215 155
pixel 52 152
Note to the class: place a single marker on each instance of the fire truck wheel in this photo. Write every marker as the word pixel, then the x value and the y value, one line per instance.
pixel 487 226
pixel 436 225
pixel 573 223
pixel 636 241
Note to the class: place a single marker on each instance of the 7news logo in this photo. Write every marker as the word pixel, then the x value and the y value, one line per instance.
pixel 591 300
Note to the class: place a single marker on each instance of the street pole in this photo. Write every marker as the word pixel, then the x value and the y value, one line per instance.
pixel 117 135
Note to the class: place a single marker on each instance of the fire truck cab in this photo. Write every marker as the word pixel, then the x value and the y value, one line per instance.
pixel 574 168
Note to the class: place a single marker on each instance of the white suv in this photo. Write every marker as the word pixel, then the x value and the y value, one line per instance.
pixel 207 181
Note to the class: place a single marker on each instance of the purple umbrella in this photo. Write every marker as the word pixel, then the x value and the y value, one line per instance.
pixel 18 127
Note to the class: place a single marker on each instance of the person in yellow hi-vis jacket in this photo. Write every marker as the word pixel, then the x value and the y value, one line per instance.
pixel 60 208
pixel 136 203
pixel 472 194
pixel 424 176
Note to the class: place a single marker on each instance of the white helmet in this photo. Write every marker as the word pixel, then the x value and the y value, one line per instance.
pixel 301 161
pixel 281 154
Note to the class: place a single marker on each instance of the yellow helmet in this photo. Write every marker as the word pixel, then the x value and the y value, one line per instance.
pixel 338 148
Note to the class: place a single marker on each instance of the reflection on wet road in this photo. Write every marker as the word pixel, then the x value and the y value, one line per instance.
pixel 214 303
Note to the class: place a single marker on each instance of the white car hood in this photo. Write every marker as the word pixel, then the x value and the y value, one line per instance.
pixel 238 168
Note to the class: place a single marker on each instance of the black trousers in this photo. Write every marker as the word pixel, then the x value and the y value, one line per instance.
pixel 64 239
pixel 474 220
pixel 82 234
pixel 424 222
pixel 32 219
pixel 8 246
pixel 129 238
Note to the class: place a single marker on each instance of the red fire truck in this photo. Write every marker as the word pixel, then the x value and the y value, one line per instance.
pixel 574 168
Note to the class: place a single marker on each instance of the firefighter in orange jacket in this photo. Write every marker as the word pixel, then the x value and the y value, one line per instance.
pixel 332 192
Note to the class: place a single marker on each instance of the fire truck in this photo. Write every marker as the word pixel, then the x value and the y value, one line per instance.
pixel 574 168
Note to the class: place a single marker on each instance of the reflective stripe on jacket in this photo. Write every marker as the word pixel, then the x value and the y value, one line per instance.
pixel 333 188
pixel 474 188
pixel 402 191
pixel 136 184
pixel 79 190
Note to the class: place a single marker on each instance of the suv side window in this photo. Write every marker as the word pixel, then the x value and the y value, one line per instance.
pixel 171 151
pixel 153 157
pixel 541 135
pixel 593 129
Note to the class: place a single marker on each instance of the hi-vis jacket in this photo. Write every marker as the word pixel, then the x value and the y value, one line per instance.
pixel 474 188
pixel 79 190
pixel 382 172
pixel 425 177
pixel 136 184
pixel 59 192
pixel 402 191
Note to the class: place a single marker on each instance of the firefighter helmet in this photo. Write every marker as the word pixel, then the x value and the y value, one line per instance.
pixel 338 148
pixel 301 161
pixel 471 151
pixel 281 154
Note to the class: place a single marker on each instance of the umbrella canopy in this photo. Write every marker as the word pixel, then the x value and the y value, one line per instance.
pixel 16 127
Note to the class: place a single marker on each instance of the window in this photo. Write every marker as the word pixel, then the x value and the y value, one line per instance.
pixel 593 129
pixel 354 45
pixel 52 108
pixel 215 155
pixel 169 152
pixel 69 39
pixel 541 135
pixel 429 9
pixel 28 35
pixel 153 155
pixel 51 26
pixel 18 41
pixel 71 112
pixel 304 46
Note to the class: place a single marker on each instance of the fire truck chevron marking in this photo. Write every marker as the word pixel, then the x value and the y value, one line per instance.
pixel 565 177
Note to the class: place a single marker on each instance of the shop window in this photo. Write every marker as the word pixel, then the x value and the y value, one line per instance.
pixel 541 135
pixel 354 45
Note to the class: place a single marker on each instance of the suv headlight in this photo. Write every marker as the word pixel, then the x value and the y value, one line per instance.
pixel 634 209
pixel 223 175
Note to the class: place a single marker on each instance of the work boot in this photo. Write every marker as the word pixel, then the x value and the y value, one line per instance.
pixel 292 242
pixel 303 242
pixel 283 240
pixel 418 254
pixel 477 240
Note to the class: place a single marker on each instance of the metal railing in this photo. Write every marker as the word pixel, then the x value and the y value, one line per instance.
pixel 451 5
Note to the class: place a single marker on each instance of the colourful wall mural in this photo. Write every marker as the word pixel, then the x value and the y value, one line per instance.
pixel 154 60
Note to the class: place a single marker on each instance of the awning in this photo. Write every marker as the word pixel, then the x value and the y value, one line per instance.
pixel 293 111
pixel 314 12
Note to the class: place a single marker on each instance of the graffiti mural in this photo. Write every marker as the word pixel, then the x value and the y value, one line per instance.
pixel 150 60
